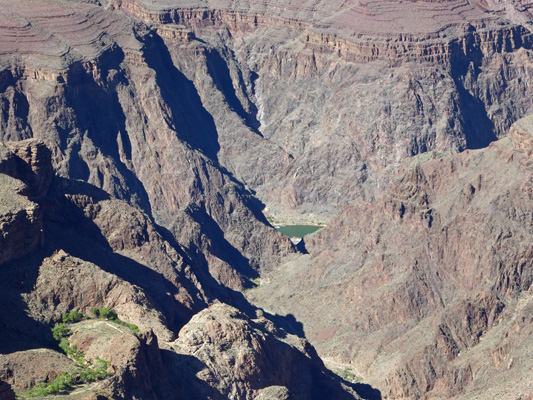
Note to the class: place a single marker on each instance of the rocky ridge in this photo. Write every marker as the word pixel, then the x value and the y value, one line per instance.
pixel 191 113
pixel 108 120
pixel 343 93
pixel 427 281
pixel 97 251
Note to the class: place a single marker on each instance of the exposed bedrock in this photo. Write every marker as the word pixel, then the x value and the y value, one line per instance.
pixel 238 356
pixel 102 252
pixel 328 100
pixel 25 173
pixel 417 289
pixel 126 120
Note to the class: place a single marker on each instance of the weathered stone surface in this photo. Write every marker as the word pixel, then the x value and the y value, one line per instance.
pixel 66 283
pixel 331 98
pixel 116 113
pixel 521 134
pixel 23 369
pixel 25 171
pixel 313 107
pixel 21 223
pixel 273 393
pixel 405 288
pixel 241 357
pixel 33 166
pixel 102 252
pixel 135 360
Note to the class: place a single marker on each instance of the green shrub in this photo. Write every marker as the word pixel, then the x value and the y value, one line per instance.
pixel 63 383
pixel 60 331
pixel 73 317
pixel 107 313
pixel 95 311
pixel 89 371
pixel 134 328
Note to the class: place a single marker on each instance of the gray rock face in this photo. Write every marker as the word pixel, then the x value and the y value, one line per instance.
pixel 252 359
pixel 328 101
pixel 20 221
pixel 101 252
pixel 416 289
pixel 196 113
pixel 25 171
pixel 116 113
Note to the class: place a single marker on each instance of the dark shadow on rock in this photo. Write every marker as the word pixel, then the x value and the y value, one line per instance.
pixel 219 71
pixel 18 331
pixel 367 392
pixel 100 116
pixel 217 244
pixel 188 117
pixel 301 247
pixel 288 323
pixel 67 228
pixel 478 128
pixel 182 370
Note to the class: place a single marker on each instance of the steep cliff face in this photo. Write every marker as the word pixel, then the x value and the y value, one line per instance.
pixel 98 252
pixel 195 114
pixel 25 171
pixel 103 93
pixel 240 357
pixel 328 99
pixel 422 285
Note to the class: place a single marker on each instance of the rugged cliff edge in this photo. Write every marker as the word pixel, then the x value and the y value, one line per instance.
pixel 101 91
pixel 174 126
pixel 88 251
pixel 329 98
pixel 428 289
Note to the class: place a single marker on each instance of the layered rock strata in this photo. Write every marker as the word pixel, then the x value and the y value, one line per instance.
pixel 342 93
pixel 106 98
pixel 101 252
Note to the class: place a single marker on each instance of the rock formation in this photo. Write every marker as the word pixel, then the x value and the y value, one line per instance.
pixel 331 98
pixel 244 358
pixel 174 127
pixel 425 291
pixel 104 95
pixel 96 251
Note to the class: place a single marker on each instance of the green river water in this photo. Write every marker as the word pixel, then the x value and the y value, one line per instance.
pixel 298 231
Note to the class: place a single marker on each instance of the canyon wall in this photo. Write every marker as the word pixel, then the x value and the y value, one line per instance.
pixel 175 126
pixel 328 100
pixel 425 291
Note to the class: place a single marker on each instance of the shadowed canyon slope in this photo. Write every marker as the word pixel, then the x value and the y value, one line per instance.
pixel 343 92
pixel 146 140
pixel 90 250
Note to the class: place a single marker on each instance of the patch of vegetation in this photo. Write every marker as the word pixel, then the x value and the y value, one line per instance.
pixel 60 331
pixel 88 370
pixel 134 328
pixel 105 313
pixel 73 317
pixel 64 383
pixel 111 315
pixel 347 374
